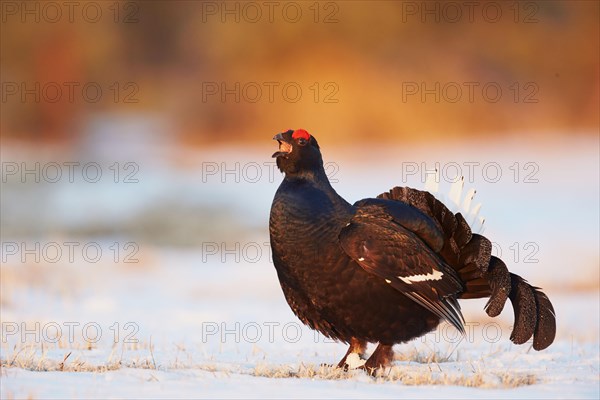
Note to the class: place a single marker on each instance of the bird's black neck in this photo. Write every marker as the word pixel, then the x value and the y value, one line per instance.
pixel 311 188
pixel 316 176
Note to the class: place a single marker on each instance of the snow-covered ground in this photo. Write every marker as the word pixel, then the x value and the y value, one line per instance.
pixel 179 328
pixel 198 312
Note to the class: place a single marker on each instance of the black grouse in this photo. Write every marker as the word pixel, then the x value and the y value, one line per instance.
pixel 388 269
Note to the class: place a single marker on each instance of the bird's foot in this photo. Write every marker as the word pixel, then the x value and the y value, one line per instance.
pixel 380 359
pixel 353 361
pixel 354 356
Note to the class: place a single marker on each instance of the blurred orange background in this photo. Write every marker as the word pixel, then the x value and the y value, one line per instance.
pixel 222 71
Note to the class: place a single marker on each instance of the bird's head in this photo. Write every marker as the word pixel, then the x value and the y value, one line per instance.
pixel 298 153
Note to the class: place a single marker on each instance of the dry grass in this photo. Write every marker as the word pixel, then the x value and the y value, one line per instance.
pixel 425 367
pixel 310 371
pixel 422 369
pixel 404 375
pixel 31 358
pixel 424 357
pixel 479 379
pixel 27 358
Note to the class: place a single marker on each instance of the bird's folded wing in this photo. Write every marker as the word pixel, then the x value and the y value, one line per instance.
pixel 411 218
pixel 386 249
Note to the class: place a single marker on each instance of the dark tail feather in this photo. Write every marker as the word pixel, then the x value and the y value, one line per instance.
pixel 483 274
pixel 500 285
pixel 534 314
pixel 523 302
pixel 545 330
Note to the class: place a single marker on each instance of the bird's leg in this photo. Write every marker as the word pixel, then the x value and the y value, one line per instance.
pixel 382 357
pixel 356 346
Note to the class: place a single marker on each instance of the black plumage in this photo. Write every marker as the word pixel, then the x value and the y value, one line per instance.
pixel 385 270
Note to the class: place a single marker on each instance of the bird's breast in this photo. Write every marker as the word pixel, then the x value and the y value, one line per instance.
pixel 304 228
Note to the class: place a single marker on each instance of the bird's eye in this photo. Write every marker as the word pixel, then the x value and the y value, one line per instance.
pixel 302 141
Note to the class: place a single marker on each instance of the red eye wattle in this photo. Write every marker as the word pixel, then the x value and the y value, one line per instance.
pixel 300 133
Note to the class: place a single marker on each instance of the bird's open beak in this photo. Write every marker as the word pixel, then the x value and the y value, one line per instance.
pixel 285 148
